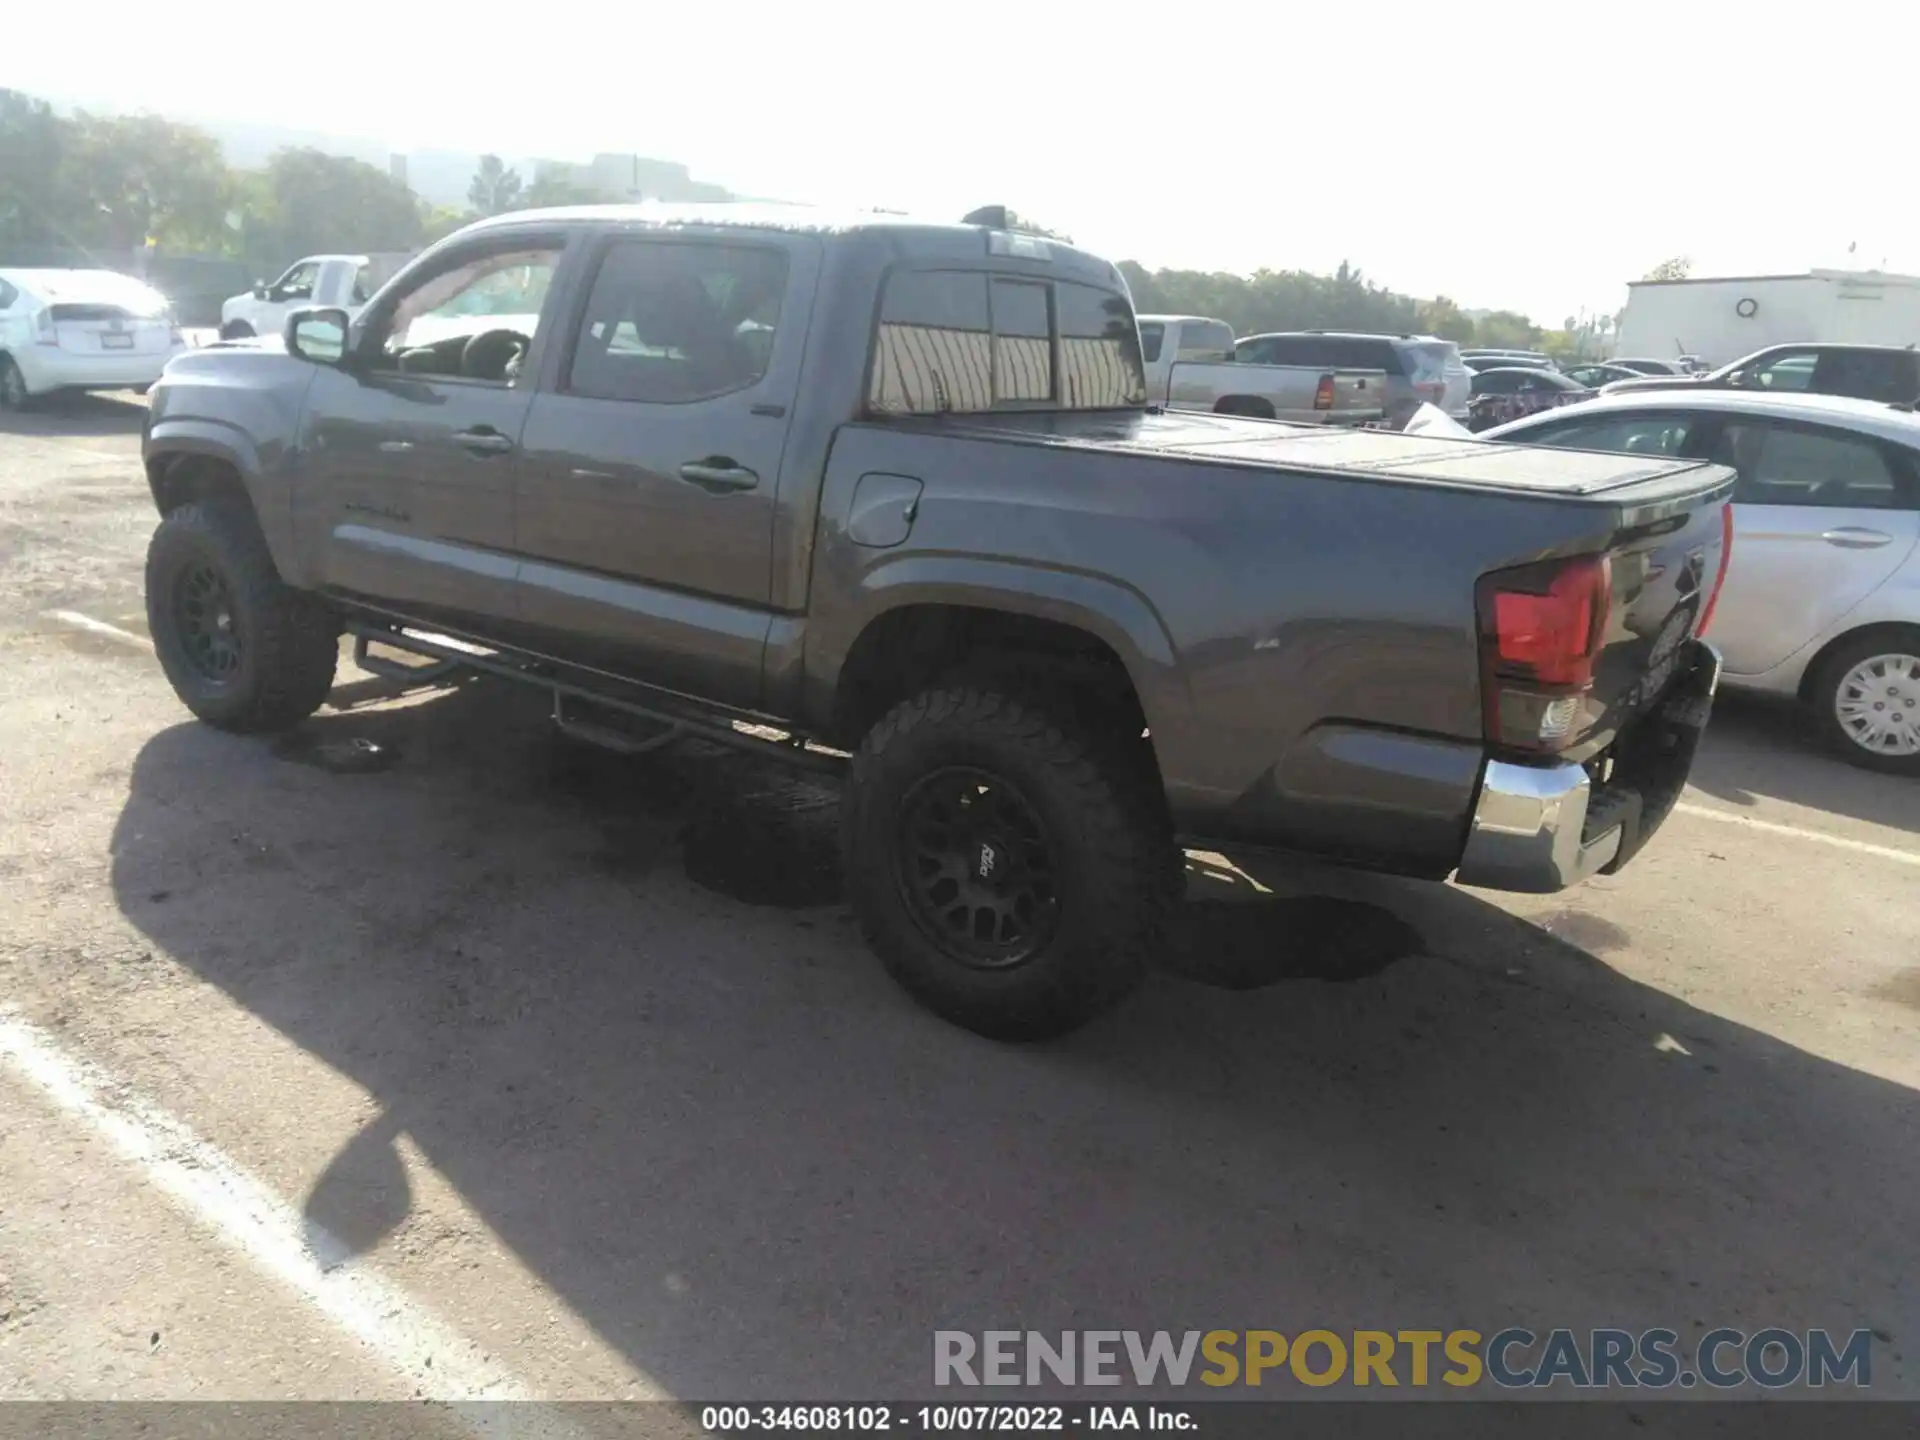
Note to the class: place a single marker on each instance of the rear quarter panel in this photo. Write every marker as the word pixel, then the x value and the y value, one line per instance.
pixel 1276 623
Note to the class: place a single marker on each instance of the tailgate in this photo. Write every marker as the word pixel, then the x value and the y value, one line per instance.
pixel 1665 573
pixel 97 329
pixel 1578 646
pixel 1358 397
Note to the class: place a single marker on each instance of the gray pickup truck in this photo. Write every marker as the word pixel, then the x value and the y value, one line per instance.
pixel 1192 365
pixel 885 498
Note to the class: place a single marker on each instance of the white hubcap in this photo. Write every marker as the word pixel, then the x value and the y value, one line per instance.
pixel 1878 704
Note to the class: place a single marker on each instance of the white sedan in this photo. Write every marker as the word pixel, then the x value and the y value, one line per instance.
pixel 81 330
pixel 1822 595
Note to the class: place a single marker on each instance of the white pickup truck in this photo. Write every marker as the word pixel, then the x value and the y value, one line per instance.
pixel 347 281
pixel 1190 366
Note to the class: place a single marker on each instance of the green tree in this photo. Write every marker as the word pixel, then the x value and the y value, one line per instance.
pixel 442 221
pixel 306 201
pixel 495 187
pixel 125 178
pixel 1506 330
pixel 1678 268
pixel 1440 316
pixel 34 209
pixel 553 189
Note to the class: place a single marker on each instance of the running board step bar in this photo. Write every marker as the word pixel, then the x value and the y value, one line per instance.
pixel 609 737
pixel 428 674
pixel 673 714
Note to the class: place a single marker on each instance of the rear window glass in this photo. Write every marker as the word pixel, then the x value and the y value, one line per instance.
pixel 1428 359
pixel 1100 366
pixel 1022 342
pixel 1151 337
pixel 1205 340
pixel 1350 352
pixel 960 341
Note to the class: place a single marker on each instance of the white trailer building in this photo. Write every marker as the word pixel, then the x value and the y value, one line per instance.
pixel 1722 319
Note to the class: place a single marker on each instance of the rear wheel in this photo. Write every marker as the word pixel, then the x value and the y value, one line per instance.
pixel 236 330
pixel 243 650
pixel 1004 872
pixel 13 385
pixel 1867 696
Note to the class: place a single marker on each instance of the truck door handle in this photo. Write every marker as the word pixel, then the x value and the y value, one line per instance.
pixel 484 440
pixel 1854 537
pixel 717 474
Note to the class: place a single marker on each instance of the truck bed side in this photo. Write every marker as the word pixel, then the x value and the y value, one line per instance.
pixel 1303 642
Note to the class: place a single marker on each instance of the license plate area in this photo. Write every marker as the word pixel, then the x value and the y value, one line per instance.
pixel 114 341
pixel 1646 769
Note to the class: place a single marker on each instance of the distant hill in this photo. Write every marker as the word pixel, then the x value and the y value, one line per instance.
pixel 440 177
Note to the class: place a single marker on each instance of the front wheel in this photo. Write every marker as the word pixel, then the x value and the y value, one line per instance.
pixel 243 650
pixel 1868 699
pixel 236 330
pixel 1004 870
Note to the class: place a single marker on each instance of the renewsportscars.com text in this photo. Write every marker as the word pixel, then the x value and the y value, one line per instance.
pixel 1513 1358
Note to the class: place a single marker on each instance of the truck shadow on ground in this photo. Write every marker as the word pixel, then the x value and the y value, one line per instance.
pixel 117 413
pixel 1763 746
pixel 723 1138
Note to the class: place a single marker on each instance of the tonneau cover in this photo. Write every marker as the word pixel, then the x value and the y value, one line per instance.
pixel 1384 454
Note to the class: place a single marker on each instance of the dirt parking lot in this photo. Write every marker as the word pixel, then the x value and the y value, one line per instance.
pixel 566 1075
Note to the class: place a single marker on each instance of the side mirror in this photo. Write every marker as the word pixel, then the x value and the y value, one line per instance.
pixel 259 289
pixel 319 335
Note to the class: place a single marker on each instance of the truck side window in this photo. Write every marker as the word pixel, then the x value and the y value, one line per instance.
pixel 670 322
pixel 297 283
pixel 1152 337
pixel 428 330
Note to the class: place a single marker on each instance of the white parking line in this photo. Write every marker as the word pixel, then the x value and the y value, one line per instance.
pixel 442 1364
pixel 1770 827
pixel 74 620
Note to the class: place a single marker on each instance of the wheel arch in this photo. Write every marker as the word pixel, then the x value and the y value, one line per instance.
pixel 1816 667
pixel 198 460
pixel 927 616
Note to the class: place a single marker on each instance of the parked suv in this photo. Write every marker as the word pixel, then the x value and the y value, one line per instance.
pixel 1864 372
pixel 1421 369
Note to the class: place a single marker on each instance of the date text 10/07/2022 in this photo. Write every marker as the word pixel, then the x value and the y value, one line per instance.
pixel 945 1419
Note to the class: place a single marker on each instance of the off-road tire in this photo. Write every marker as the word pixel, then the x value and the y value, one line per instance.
pixel 13 385
pixel 288 640
pixel 1822 692
pixel 1109 847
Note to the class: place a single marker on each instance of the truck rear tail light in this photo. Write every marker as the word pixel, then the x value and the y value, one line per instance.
pixel 1541 628
pixel 1323 393
pixel 1726 560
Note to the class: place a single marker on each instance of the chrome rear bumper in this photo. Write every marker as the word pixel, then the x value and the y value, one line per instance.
pixel 1540 828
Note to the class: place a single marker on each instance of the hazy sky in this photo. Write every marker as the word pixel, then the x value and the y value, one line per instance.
pixel 1532 156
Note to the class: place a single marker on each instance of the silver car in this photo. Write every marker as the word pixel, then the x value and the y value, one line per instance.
pixel 1822 597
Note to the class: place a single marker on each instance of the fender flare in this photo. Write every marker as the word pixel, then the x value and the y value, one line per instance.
pixel 218 440
pixel 1115 613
